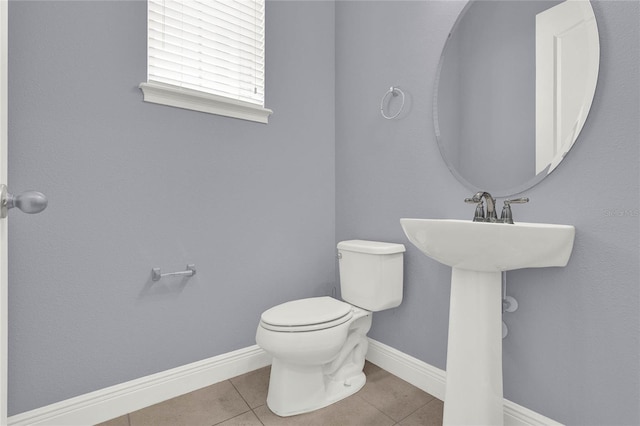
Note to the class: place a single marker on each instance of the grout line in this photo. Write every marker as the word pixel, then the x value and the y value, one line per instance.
pixel 433 398
pixel 240 393
pixel 431 401
pixel 233 417
pixel 254 413
pixel 411 413
pixel 241 397
pixel 377 409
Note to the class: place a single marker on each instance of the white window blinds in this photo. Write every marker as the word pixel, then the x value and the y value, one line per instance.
pixel 210 46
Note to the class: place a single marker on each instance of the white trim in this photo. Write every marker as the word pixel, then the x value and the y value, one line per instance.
pixel 432 380
pixel 118 400
pixel 165 94
pixel 420 374
pixel 517 415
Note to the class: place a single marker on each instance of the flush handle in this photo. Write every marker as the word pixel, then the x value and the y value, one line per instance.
pixel 30 202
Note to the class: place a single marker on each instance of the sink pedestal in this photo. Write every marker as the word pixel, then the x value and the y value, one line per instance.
pixel 474 353
pixel 478 252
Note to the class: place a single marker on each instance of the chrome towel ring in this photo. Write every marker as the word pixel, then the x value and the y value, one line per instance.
pixel 393 91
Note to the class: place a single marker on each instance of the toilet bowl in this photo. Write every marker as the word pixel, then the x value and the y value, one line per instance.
pixel 319 344
pixel 315 364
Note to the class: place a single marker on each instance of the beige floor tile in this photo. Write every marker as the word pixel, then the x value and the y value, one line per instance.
pixel 253 386
pixel 429 415
pixel 352 411
pixel 391 395
pixel 204 407
pixel 246 419
pixel 118 421
pixel 383 401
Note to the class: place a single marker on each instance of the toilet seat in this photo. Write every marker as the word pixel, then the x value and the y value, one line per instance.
pixel 315 313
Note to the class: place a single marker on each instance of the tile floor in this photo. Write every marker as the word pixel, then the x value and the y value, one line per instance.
pixel 385 400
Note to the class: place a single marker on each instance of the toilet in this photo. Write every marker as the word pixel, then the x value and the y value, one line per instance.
pixel 319 344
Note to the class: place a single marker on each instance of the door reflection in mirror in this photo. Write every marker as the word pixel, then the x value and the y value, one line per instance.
pixel 488 118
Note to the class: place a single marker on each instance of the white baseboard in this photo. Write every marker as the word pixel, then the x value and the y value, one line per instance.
pixel 420 374
pixel 118 400
pixel 432 380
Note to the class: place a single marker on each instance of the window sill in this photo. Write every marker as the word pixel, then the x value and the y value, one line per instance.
pixel 165 94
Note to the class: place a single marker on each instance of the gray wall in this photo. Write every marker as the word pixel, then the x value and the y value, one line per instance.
pixel 134 185
pixel 572 349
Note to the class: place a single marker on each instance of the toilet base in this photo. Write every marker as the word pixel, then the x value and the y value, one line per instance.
pixel 295 389
pixel 311 370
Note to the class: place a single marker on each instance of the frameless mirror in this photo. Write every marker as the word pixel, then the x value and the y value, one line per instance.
pixel 515 84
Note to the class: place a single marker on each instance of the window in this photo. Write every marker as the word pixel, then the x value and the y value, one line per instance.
pixel 207 56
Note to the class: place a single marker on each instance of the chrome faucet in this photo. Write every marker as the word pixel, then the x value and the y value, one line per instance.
pixel 479 216
pixel 491 207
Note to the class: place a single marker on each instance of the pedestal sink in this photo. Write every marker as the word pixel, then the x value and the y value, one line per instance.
pixel 478 252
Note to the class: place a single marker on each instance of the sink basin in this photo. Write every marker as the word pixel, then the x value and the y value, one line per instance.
pixel 480 246
pixel 479 252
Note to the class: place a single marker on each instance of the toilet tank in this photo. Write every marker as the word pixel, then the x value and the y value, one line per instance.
pixel 371 273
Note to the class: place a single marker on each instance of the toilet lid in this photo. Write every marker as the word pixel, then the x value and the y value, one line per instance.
pixel 307 314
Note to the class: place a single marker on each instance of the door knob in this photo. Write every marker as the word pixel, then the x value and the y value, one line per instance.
pixel 29 202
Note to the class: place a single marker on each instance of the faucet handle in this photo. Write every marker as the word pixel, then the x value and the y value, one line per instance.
pixel 517 201
pixel 507 215
pixel 479 214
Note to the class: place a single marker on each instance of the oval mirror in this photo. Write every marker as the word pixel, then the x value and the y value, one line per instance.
pixel 515 83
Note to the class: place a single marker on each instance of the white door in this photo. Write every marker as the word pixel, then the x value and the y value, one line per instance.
pixel 4 21
pixel 567 56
